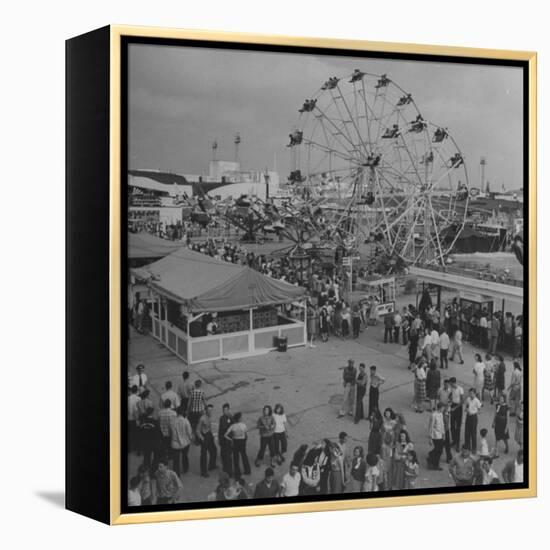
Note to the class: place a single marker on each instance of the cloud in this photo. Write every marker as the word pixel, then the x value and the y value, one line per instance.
pixel 182 98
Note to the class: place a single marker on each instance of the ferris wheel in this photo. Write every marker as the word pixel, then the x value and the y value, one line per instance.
pixel 386 175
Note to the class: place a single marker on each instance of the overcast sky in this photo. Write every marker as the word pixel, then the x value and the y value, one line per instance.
pixel 181 99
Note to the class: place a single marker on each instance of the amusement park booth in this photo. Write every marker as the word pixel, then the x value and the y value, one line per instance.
pixel 204 309
pixel 382 288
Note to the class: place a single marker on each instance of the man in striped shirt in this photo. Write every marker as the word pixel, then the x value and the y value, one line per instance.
pixel 167 415
pixel 197 404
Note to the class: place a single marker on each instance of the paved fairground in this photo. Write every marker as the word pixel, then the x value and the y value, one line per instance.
pixel 308 383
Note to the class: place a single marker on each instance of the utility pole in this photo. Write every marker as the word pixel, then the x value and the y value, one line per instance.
pixel 237 142
pixel 482 164
pixel 214 149
pixel 266 178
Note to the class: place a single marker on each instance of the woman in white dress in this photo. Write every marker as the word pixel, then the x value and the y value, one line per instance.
pixel 479 375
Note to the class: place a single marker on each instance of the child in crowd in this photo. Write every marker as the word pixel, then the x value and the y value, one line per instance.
pixel 484 451
pixel 411 470
pixel 372 474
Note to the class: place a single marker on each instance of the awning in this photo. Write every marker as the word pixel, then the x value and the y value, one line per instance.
pixel 202 283
pixel 145 245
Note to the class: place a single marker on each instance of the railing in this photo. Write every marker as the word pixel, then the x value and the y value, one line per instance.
pixel 225 345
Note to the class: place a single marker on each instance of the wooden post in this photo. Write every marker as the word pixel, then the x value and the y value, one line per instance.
pixel 159 305
pixel 188 343
pixel 305 322
pixel 166 321
pixel 250 333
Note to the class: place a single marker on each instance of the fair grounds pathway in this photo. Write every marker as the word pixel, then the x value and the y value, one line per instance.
pixel 308 382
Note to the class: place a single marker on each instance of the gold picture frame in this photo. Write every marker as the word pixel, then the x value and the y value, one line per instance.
pixel 116 35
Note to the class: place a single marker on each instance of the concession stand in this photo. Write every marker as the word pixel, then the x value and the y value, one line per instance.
pixel 204 309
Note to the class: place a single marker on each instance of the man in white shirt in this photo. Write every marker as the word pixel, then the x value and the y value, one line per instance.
pixel 139 379
pixel 134 496
pixel 171 396
pixel 472 407
pixel 456 395
pixel 518 339
pixel 513 470
pixel 437 435
pixel 483 330
pixel 396 326
pixel 133 416
pixel 434 337
pixel 489 476
pixel 290 485
pixel 444 344
pixel 212 327
pixel 133 400
pixel 416 324
pixel 427 345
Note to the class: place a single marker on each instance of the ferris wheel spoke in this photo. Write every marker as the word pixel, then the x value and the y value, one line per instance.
pixel 341 116
pixel 346 211
pixel 392 170
pixel 332 171
pixel 403 214
pixel 435 229
pixel 442 177
pixel 335 126
pixel 352 120
pixel 411 231
pixel 337 131
pixel 384 213
pixel 444 164
pixel 329 150
pixel 388 181
pixel 319 165
pixel 390 145
pixel 423 247
pixel 328 141
pixel 381 118
pixel 398 231
pixel 439 161
pixel 413 164
pixel 366 115
pixel 368 109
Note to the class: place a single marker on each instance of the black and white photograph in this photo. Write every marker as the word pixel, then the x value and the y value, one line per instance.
pixel 326 267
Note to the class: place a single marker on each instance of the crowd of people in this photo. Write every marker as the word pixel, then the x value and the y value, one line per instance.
pixel 162 433
pixel 501 332
pixel 387 460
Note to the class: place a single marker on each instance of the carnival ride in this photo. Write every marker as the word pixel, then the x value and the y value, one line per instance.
pixel 373 172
